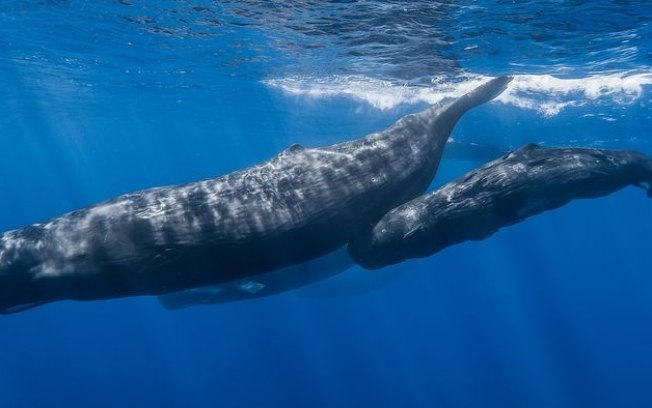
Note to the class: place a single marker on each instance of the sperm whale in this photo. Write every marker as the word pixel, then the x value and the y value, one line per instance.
pixel 504 192
pixel 299 205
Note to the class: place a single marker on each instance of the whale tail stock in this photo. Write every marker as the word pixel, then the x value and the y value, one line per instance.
pixel 482 94
pixel 441 118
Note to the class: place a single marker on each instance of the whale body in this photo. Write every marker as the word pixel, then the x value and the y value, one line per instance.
pixel 297 206
pixel 504 192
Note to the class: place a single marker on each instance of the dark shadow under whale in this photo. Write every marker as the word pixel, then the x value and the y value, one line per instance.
pixel 504 192
pixel 264 284
pixel 300 205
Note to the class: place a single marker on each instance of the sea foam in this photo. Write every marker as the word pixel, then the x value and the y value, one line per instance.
pixel 546 94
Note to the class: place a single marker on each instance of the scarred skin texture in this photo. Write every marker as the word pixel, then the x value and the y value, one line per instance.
pixel 297 206
pixel 506 191
pixel 315 270
pixel 522 183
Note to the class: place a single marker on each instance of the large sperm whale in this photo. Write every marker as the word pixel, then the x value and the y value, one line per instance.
pixel 299 205
pixel 504 192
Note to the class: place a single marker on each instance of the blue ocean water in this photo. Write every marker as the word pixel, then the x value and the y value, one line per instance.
pixel 103 97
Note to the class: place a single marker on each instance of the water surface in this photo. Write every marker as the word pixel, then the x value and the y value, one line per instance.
pixel 103 97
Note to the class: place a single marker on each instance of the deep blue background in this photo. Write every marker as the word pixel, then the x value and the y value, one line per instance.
pixel 555 311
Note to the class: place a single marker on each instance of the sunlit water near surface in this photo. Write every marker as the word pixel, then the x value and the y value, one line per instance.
pixel 100 98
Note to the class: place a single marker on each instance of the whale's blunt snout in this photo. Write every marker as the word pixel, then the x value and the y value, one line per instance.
pixel 383 245
pixel 480 95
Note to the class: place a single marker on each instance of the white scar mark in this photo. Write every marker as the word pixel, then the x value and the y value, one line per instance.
pixel 519 168
pixel 252 287
pixel 10 243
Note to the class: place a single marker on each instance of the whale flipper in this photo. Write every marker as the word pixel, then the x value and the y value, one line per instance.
pixel 482 94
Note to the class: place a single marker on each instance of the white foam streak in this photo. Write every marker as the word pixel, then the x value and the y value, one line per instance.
pixel 545 94
pixel 550 95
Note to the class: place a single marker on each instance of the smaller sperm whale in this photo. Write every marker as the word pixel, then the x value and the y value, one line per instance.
pixel 506 191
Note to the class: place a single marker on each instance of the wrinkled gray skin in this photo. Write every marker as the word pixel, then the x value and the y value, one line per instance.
pixel 316 270
pixel 521 184
pixel 299 205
